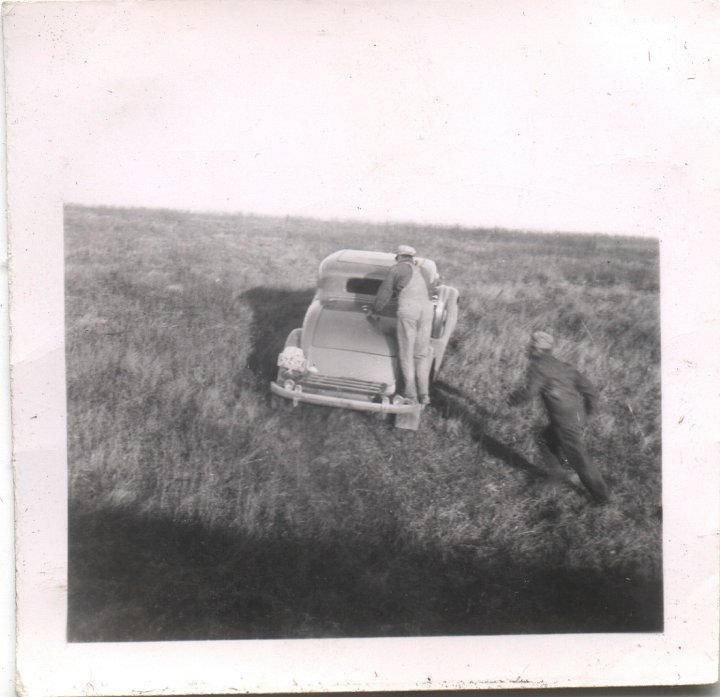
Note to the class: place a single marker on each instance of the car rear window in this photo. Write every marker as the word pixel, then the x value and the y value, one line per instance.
pixel 363 286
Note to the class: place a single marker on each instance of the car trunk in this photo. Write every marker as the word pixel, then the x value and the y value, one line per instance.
pixel 347 344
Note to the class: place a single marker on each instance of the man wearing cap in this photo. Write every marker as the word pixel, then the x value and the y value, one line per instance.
pixel 406 281
pixel 569 398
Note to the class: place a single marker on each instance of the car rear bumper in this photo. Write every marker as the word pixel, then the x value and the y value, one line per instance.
pixel 384 407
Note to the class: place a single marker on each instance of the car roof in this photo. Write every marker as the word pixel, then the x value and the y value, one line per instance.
pixel 354 263
pixel 354 256
pixel 349 261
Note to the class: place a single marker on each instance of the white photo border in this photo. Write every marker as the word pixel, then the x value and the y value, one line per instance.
pixel 685 653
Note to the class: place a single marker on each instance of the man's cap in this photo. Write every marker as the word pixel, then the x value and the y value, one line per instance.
pixel 405 250
pixel 541 341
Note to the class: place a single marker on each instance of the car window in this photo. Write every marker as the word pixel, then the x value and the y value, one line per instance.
pixel 363 286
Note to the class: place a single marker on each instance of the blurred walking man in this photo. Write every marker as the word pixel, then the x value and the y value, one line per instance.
pixel 569 398
pixel 406 281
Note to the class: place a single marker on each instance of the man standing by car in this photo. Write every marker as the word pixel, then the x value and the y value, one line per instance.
pixel 406 281
pixel 569 398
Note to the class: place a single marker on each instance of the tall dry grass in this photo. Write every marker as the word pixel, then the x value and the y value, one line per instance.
pixel 198 512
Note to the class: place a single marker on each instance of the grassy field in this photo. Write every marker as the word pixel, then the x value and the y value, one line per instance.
pixel 198 512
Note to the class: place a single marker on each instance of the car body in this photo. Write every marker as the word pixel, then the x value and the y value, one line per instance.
pixel 340 358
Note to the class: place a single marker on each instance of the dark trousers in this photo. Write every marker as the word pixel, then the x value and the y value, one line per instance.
pixel 563 436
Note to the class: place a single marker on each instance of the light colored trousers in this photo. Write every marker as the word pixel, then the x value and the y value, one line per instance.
pixel 414 351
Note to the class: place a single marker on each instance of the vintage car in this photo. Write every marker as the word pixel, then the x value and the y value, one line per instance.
pixel 339 358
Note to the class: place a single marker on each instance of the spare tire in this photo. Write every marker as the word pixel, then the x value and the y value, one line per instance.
pixel 440 315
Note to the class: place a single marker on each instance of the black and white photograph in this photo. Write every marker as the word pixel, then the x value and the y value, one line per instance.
pixel 363 345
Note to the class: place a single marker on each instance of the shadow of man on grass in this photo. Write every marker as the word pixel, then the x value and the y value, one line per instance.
pixel 452 401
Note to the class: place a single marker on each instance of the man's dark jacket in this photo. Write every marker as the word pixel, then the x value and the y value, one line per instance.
pixel 563 388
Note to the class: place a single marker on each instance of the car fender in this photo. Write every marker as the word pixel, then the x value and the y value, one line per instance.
pixel 294 338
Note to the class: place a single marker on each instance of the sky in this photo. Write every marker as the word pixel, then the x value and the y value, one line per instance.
pixel 564 115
